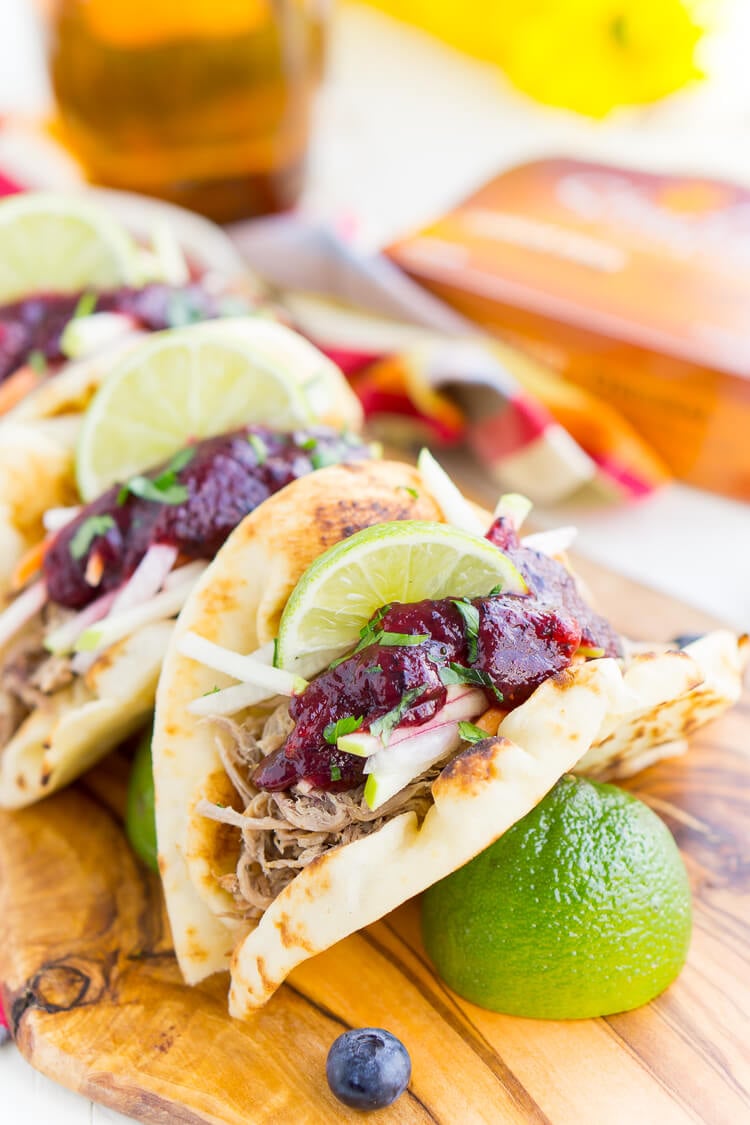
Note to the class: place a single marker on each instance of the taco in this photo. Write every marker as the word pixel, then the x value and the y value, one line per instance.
pixel 292 813
pixel 80 288
pixel 83 636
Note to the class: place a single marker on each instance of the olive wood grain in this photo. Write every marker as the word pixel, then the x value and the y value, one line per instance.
pixel 96 1001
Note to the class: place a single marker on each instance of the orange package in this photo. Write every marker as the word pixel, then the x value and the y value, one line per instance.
pixel 633 286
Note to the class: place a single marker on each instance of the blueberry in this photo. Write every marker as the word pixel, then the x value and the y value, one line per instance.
pixel 686 639
pixel 368 1068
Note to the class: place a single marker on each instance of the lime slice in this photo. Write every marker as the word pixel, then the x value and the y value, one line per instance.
pixel 389 562
pixel 186 383
pixel 60 244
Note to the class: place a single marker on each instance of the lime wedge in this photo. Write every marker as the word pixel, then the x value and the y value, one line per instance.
pixel 60 244
pixel 191 382
pixel 389 562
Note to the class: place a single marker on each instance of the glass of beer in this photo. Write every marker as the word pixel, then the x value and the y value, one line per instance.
pixel 203 102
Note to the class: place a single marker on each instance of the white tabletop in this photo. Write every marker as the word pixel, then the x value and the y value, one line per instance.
pixel 406 127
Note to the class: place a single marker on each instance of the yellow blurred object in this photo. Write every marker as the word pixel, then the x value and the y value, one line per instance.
pixel 586 55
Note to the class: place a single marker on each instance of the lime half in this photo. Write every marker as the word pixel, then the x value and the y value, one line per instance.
pixel 581 909
pixel 60 244
pixel 187 383
pixel 389 562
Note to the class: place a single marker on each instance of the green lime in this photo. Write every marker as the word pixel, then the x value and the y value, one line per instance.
pixel 389 562
pixel 140 820
pixel 186 383
pixel 581 909
pixel 60 244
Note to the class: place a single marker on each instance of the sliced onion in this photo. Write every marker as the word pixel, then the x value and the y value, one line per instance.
pixel 147 578
pixel 514 506
pixel 454 505
pixel 552 542
pixel 118 625
pixel 87 335
pixel 247 669
pixel 183 573
pixel 397 755
pixel 21 610
pixel 62 640
pixel 55 518
pixel 230 700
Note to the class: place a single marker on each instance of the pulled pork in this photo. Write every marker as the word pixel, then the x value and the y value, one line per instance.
pixel 284 832
pixel 29 674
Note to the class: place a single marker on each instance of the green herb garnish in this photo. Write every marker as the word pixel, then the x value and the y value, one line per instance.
pixel 373 669
pixel 395 640
pixel 37 361
pixel 496 590
pixel 275 660
pixel 471 733
pixel 405 488
pixel 456 674
pixel 182 309
pixel 334 731
pixel 260 449
pixel 151 490
pixel 164 489
pixel 89 530
pixel 335 773
pixel 86 305
pixel 213 690
pixel 384 726
pixel 308 443
pixel 322 458
pixel 470 614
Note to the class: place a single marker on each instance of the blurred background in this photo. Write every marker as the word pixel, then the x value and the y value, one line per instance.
pixel 376 120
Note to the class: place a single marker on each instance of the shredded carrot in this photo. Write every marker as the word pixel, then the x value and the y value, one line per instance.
pixel 30 563
pixel 491 720
pixel 16 387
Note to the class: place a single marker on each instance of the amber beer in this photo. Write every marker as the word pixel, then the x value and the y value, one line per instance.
pixel 203 102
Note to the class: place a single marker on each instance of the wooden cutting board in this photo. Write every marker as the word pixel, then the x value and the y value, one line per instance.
pixel 96 1001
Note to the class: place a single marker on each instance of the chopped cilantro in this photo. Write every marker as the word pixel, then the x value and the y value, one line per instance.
pixel 164 489
pixel 183 309
pixel 373 669
pixel 86 305
pixel 394 640
pixel 405 488
pixel 182 458
pixel 335 773
pixel 383 726
pixel 470 614
pixel 322 458
pixel 308 443
pixel 275 660
pixel 471 733
pixel 496 590
pixel 37 361
pixel 154 490
pixel 456 674
pixel 334 731
pixel 88 531
pixel 260 449
pixel 213 690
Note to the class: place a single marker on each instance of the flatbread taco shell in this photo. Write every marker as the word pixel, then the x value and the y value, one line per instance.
pixel 477 796
pixel 38 437
pixel 76 725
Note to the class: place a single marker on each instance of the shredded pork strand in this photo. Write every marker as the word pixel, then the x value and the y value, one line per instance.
pixel 29 674
pixel 284 832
